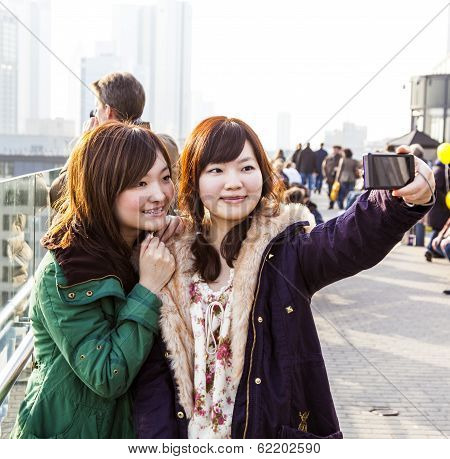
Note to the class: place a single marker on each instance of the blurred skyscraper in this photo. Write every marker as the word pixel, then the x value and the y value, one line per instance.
pixel 134 34
pixel 350 136
pixel 153 42
pixel 8 73
pixel 172 97
pixel 24 64
pixel 284 131
pixel 92 68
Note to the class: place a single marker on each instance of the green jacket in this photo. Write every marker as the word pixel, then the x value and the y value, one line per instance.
pixel 90 341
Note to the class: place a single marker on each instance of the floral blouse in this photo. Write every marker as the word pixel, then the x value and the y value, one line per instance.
pixel 214 394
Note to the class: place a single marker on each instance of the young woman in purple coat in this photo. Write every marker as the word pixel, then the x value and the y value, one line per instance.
pixel 238 355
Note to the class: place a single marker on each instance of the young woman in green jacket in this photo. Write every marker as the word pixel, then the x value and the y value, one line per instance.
pixel 94 318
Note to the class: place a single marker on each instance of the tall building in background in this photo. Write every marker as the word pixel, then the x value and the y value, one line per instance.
pixel 153 42
pixel 284 131
pixel 430 99
pixel 92 68
pixel 8 73
pixel 28 88
pixel 134 31
pixel 350 136
pixel 34 61
pixel 172 98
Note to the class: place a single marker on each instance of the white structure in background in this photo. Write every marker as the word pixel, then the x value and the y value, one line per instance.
pixel 134 35
pixel 8 73
pixel 351 136
pixel 93 68
pixel 172 99
pixel 57 127
pixel 283 131
pixel 30 98
pixel 153 42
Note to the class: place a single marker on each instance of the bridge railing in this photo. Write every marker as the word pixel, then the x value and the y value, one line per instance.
pixel 24 218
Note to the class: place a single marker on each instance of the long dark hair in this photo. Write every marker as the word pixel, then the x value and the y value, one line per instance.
pixel 106 161
pixel 220 140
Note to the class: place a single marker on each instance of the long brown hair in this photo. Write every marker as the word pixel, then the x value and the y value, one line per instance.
pixel 219 139
pixel 105 161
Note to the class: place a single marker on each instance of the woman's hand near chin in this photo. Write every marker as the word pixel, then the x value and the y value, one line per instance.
pixel 156 264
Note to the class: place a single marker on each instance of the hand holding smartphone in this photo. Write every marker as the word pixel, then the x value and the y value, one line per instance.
pixel 388 171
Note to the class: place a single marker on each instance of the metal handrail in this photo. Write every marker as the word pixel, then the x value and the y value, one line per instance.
pixel 17 177
pixel 15 365
pixel 16 301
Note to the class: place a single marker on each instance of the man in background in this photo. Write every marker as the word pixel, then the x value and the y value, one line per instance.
pixel 321 154
pixel 329 169
pixel 119 96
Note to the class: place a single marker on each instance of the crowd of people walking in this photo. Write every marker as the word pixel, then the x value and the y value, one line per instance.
pixel 310 169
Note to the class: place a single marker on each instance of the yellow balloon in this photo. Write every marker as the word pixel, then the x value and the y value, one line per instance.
pixel 443 153
pixel 447 199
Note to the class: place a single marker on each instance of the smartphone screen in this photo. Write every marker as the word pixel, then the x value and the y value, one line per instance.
pixel 388 171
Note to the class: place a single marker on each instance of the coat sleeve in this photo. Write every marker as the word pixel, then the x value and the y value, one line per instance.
pixel 356 240
pixel 106 357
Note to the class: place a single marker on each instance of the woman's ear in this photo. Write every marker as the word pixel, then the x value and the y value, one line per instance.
pixel 109 112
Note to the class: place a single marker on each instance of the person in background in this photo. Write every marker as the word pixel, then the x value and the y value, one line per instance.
pixel 441 243
pixel 120 97
pixel 279 155
pixel 299 195
pixel 390 148
pixel 329 169
pixel 278 166
pixel 174 156
pixel 348 172
pixel 173 152
pixel 307 165
pixel 296 156
pixel 292 174
pixel 321 154
pixel 440 213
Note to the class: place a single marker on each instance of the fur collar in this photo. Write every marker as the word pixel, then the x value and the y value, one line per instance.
pixel 175 321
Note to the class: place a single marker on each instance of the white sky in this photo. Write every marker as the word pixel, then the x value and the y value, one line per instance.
pixel 254 59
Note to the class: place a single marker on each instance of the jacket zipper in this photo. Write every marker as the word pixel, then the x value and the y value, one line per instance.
pixel 254 342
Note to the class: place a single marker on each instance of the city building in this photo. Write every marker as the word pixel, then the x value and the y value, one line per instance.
pixel 430 97
pixel 283 131
pixel 93 68
pixel 153 42
pixel 135 41
pixel 26 63
pixel 350 136
pixel 8 73
pixel 172 98
pixel 25 154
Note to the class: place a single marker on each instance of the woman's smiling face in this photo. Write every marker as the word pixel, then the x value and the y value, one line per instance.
pixel 232 190
pixel 144 205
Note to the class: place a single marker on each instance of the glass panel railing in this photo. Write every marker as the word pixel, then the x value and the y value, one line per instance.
pixel 24 218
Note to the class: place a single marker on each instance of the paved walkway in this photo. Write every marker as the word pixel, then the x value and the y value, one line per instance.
pixel 385 334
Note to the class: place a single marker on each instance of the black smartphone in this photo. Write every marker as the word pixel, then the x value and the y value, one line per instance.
pixel 387 171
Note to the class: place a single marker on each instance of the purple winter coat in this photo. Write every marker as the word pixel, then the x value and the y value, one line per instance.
pixel 284 375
